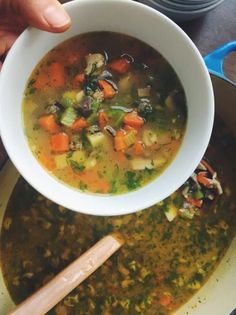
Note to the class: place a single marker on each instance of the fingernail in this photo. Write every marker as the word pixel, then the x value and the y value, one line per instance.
pixel 56 16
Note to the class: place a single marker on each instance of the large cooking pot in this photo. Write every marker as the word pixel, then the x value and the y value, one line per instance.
pixel 218 295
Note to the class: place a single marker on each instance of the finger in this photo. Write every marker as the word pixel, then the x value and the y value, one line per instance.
pixel 7 40
pixel 48 15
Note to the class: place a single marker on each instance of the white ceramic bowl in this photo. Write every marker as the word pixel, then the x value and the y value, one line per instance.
pixel 146 24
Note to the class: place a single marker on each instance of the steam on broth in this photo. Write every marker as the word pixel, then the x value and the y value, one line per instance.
pixel 104 113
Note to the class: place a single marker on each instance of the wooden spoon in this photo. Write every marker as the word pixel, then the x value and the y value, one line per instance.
pixel 55 290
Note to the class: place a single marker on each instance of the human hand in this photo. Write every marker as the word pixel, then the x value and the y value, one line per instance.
pixel 16 15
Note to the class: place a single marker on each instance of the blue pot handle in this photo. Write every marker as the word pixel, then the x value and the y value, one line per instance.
pixel 215 60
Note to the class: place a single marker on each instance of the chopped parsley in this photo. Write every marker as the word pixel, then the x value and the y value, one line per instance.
pixel 77 167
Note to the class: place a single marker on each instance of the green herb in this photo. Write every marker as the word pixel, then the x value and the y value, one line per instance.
pixel 198 194
pixel 128 156
pixel 178 201
pixel 69 154
pixel 167 234
pixel 36 127
pixel 77 167
pixel 148 171
pixel 95 105
pixel 197 277
pixel 132 181
pixel 30 88
pixel 113 188
pixel 82 186
pixel 91 82
pixel 94 68
pixel 31 82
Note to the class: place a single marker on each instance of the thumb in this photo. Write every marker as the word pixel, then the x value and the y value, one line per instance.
pixel 48 15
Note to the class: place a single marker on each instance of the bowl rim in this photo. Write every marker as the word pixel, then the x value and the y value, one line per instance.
pixel 97 204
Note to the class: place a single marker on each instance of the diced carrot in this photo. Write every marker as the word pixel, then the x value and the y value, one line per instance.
pixel 79 79
pixel 120 156
pixel 119 142
pixel 132 119
pixel 138 148
pixel 195 202
pixel 107 89
pixel 102 119
pixel 166 300
pixel 202 179
pixel 120 66
pixel 79 124
pixel 57 74
pixel 129 128
pixel 41 81
pixel 60 142
pixel 48 123
pixel 94 182
pixel 47 161
pixel 104 186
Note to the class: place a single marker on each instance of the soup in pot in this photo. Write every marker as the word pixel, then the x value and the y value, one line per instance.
pixel 170 249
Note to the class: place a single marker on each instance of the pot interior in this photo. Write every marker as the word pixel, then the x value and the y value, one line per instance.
pixel 210 297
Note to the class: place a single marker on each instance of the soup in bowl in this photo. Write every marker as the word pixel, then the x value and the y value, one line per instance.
pixel 110 109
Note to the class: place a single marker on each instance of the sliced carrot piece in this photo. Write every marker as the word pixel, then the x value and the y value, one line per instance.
pixel 41 81
pixel 195 202
pixel 120 156
pixel 133 120
pixel 202 179
pixel 120 66
pixel 119 142
pixel 79 124
pixel 47 161
pixel 102 119
pixel 57 74
pixel 79 78
pixel 60 142
pixel 166 300
pixel 138 148
pixel 48 123
pixel 107 89
pixel 94 182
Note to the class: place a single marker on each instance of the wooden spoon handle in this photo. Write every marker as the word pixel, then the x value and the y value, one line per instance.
pixel 55 290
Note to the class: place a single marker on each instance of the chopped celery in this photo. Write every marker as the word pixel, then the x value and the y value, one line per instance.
pixel 96 139
pixel 117 117
pixel 95 105
pixel 68 117
pixel 129 139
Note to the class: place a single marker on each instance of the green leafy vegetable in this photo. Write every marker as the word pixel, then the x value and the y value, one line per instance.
pixel 132 180
pixel 77 167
